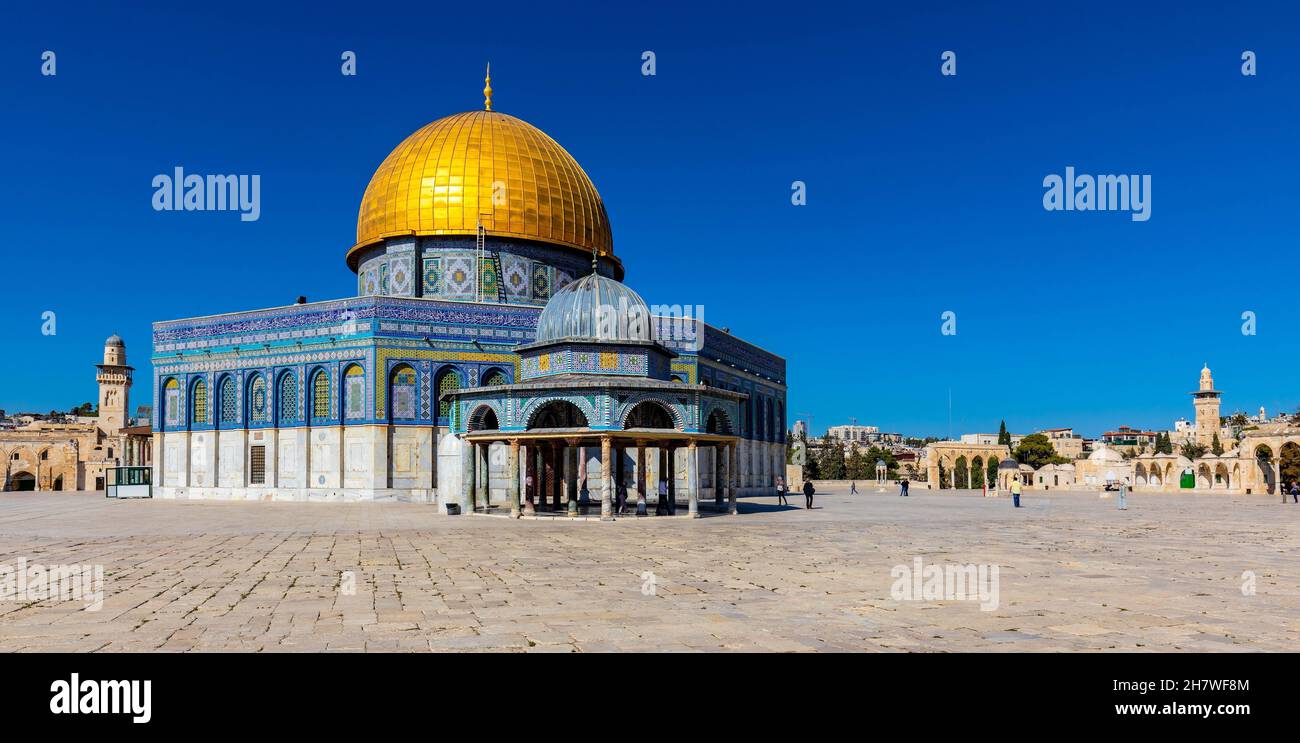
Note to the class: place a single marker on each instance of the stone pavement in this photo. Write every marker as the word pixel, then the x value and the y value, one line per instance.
pixel 1074 574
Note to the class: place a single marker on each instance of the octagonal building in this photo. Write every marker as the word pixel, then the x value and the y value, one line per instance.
pixel 477 227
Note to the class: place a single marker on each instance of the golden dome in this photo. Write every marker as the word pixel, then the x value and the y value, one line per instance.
pixel 443 178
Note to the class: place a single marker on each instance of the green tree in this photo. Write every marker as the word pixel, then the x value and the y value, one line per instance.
pixel 992 472
pixel 1192 450
pixel 811 465
pixel 1004 438
pixel 961 473
pixel 1216 446
pixel 1036 450
pixel 831 462
pixel 875 454
pixel 856 464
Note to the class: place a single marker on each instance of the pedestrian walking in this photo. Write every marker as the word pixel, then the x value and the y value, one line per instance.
pixel 902 487
pixel 808 491
pixel 620 494
pixel 853 487
pixel 1015 492
pixel 1123 495
pixel 1295 493
pixel 780 493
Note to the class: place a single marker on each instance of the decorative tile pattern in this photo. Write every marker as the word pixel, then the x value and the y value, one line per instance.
pixel 541 281
pixel 488 279
pixel 400 269
pixel 516 270
pixel 354 393
pixel 404 393
pixel 288 397
pixel 458 278
pixel 432 277
pixel 228 401
pixel 257 410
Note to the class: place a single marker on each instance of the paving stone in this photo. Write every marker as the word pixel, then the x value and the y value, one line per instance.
pixel 1075 574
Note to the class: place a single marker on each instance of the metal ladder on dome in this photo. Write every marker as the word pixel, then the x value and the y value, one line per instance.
pixel 481 245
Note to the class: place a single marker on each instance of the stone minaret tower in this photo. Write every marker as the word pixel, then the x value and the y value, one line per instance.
pixel 114 378
pixel 1207 408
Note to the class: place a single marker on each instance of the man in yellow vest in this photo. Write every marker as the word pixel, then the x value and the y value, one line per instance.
pixel 1015 491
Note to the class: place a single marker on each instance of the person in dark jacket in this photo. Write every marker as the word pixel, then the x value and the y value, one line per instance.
pixel 620 497
pixel 1295 493
pixel 808 491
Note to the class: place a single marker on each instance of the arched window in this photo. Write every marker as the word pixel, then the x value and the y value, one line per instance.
pixel 401 393
pixel 171 403
pixel 354 392
pixel 288 397
pixel 495 377
pixel 448 381
pixel 320 395
pixel 257 410
pixel 199 402
pixel 649 414
pixel 226 399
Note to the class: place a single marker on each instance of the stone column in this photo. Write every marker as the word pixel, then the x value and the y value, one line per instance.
pixel 584 481
pixel 512 478
pixel 671 474
pixel 719 470
pixel 606 481
pixel 468 466
pixel 693 479
pixel 584 491
pixel 552 476
pixel 640 478
pixel 530 479
pixel 1277 476
pixel 720 474
pixel 731 479
pixel 570 479
pixel 483 464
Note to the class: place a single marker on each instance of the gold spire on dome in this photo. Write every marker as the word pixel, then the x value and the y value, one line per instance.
pixel 487 89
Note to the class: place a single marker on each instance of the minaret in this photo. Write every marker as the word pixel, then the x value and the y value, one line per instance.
pixel 114 378
pixel 1206 400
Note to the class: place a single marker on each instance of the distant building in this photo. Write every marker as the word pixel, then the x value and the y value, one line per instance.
pixel 1129 439
pixel 1065 441
pixel 799 430
pixel 989 439
pixel 71 453
pixel 851 433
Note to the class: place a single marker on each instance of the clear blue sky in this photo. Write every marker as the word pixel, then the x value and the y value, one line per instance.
pixel 924 192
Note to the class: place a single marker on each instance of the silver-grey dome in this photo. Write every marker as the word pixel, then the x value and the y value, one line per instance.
pixel 115 340
pixel 595 308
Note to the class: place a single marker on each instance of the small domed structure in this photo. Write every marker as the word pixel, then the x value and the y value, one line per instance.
pixel 595 308
pixel 115 340
pixel 1105 454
